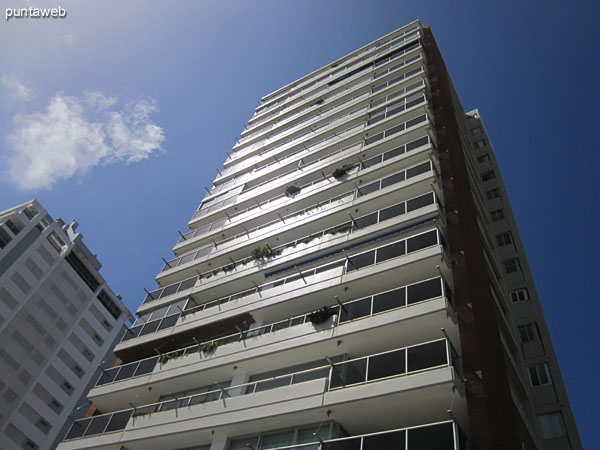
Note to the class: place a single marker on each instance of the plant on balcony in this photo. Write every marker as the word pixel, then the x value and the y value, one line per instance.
pixel 209 347
pixel 339 172
pixel 261 253
pixel 165 357
pixel 340 229
pixel 291 190
pixel 229 268
pixel 321 315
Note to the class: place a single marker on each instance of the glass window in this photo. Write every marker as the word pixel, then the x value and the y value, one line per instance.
pixel 503 239
pixel 367 189
pixel 355 310
pixel 528 332
pixel 392 211
pixel 387 365
pixel 395 440
pixel 497 215
pixel 393 153
pixel 391 251
pixel 365 221
pixel 552 425
pixel 492 194
pixel 389 300
pixel 539 375
pixel 520 295
pixel 397 178
pixel 438 437
pixel 418 170
pixel 360 261
pixel 488 176
pixel 483 158
pixel 427 355
pixel 424 290
pixel 421 241
pixel 511 265
pixel 419 202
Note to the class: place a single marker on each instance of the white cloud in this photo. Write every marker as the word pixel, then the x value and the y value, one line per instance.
pixel 17 88
pixel 74 134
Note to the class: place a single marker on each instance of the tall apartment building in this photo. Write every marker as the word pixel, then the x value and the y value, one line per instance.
pixel 59 320
pixel 353 280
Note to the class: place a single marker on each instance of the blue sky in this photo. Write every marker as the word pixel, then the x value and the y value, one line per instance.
pixel 119 114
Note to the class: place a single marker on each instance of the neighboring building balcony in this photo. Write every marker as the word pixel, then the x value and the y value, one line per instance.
pixel 425 376
pixel 417 255
pixel 412 313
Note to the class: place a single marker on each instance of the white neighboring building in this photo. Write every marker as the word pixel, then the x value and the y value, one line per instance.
pixel 59 320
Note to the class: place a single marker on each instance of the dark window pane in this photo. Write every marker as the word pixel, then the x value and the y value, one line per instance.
pixel 354 310
pixel 417 120
pixel 173 288
pixel 415 144
pixel 98 425
pixel 360 261
pixel 375 119
pixel 169 321
pixel 346 444
pixel 186 284
pixel 364 190
pixel 183 260
pixel 388 441
pixel 371 162
pixel 391 251
pixel 126 371
pixel 146 366
pixel 393 153
pixel 392 211
pixel 365 221
pixel 396 80
pixel 396 110
pixel 78 429
pixel 386 365
pixel 414 103
pixel 397 178
pixel 394 130
pixel 418 170
pixel 119 420
pixel 348 373
pixel 150 327
pixel 388 300
pixel 438 437
pixel 373 138
pixel 423 291
pixel 132 332
pixel 427 355
pixel 419 202
pixel 421 241
pixel 107 376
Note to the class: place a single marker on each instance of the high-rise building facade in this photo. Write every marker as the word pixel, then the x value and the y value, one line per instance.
pixel 59 320
pixel 353 280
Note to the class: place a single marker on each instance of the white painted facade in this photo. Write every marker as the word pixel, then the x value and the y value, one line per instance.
pixel 54 330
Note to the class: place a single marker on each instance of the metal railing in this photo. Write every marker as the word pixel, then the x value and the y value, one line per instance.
pixel 376 367
pixel 380 302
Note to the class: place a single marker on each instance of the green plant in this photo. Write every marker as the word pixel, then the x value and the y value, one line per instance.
pixel 291 190
pixel 261 253
pixel 340 229
pixel 339 172
pixel 209 347
pixel 321 315
pixel 165 357
pixel 229 268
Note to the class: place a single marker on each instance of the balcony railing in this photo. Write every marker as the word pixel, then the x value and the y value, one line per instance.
pixel 364 370
pixel 333 269
pixel 168 316
pixel 438 436
pixel 400 297
pixel 388 181
pixel 355 86
pixel 384 156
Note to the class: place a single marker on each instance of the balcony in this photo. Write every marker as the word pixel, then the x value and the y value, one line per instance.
pixel 400 297
pixel 331 270
pixel 426 371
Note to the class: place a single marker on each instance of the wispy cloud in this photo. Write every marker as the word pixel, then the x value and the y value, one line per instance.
pixel 74 134
pixel 17 88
